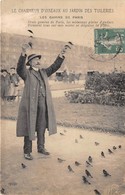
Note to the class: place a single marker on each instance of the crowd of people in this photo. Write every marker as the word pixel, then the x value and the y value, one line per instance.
pixel 9 84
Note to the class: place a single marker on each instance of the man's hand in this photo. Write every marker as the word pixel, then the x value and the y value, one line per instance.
pixel 65 49
pixel 25 47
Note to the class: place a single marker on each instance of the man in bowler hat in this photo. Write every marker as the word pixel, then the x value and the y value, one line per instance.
pixel 36 112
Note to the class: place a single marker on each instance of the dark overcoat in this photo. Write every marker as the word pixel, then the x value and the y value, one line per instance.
pixel 27 115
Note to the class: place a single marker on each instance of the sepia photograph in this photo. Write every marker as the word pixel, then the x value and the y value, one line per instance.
pixel 62 97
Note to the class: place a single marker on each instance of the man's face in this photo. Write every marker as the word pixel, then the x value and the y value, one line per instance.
pixel 35 62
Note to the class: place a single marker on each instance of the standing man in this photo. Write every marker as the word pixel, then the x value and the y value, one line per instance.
pixel 14 82
pixel 5 84
pixel 36 112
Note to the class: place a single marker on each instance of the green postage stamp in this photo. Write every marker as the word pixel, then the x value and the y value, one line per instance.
pixel 109 41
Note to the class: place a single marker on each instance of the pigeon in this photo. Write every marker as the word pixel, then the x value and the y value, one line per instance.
pixel 61 134
pixel 60 160
pixel 110 152
pixel 76 141
pixel 81 137
pixel 97 192
pixel 2 191
pixel 90 159
pixel 23 166
pixel 30 31
pixel 102 154
pixel 88 173
pixel 70 168
pixel 114 148
pixel 96 143
pixel 77 163
pixel 119 146
pixel 85 180
pixel 88 164
pixel 106 173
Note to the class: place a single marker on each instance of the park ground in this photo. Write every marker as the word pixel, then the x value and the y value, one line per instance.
pixel 45 175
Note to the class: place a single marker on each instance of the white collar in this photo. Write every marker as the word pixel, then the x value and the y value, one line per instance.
pixel 34 68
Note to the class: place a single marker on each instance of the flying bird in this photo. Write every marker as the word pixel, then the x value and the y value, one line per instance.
pixel 77 163
pixel 90 159
pixel 96 143
pixel 60 160
pixel 88 164
pixel 23 166
pixel 30 31
pixel 85 180
pixel 114 148
pixel 2 191
pixel 81 137
pixel 106 173
pixel 70 168
pixel 110 152
pixel 97 192
pixel 102 154
pixel 88 173
pixel 61 134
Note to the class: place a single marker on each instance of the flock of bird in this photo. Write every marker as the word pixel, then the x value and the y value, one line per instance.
pixel 89 163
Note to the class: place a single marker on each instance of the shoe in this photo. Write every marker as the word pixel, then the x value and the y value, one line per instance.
pixel 43 151
pixel 28 156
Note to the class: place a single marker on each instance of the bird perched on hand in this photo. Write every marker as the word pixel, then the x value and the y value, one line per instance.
pixel 60 160
pixel 90 159
pixel 81 137
pixel 102 154
pixel 110 152
pixel 88 164
pixel 77 163
pixel 97 192
pixel 96 143
pixel 85 180
pixel 70 168
pixel 23 166
pixel 106 173
pixel 114 148
pixel 88 173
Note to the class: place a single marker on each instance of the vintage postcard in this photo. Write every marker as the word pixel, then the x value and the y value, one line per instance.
pixel 62 97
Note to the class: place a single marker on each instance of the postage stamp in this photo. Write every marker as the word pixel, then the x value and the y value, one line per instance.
pixel 109 41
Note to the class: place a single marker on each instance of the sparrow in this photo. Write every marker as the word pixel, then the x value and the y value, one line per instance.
pixel 2 191
pixel 119 146
pixel 76 141
pixel 110 152
pixel 85 180
pixel 70 168
pixel 30 31
pixel 77 163
pixel 97 192
pixel 114 148
pixel 23 166
pixel 61 134
pixel 88 173
pixel 102 154
pixel 106 173
pixel 90 159
pixel 88 164
pixel 81 137
pixel 96 143
pixel 60 160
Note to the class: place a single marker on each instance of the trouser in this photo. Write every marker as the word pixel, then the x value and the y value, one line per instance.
pixel 41 125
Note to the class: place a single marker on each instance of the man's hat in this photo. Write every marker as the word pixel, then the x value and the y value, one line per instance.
pixel 32 56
